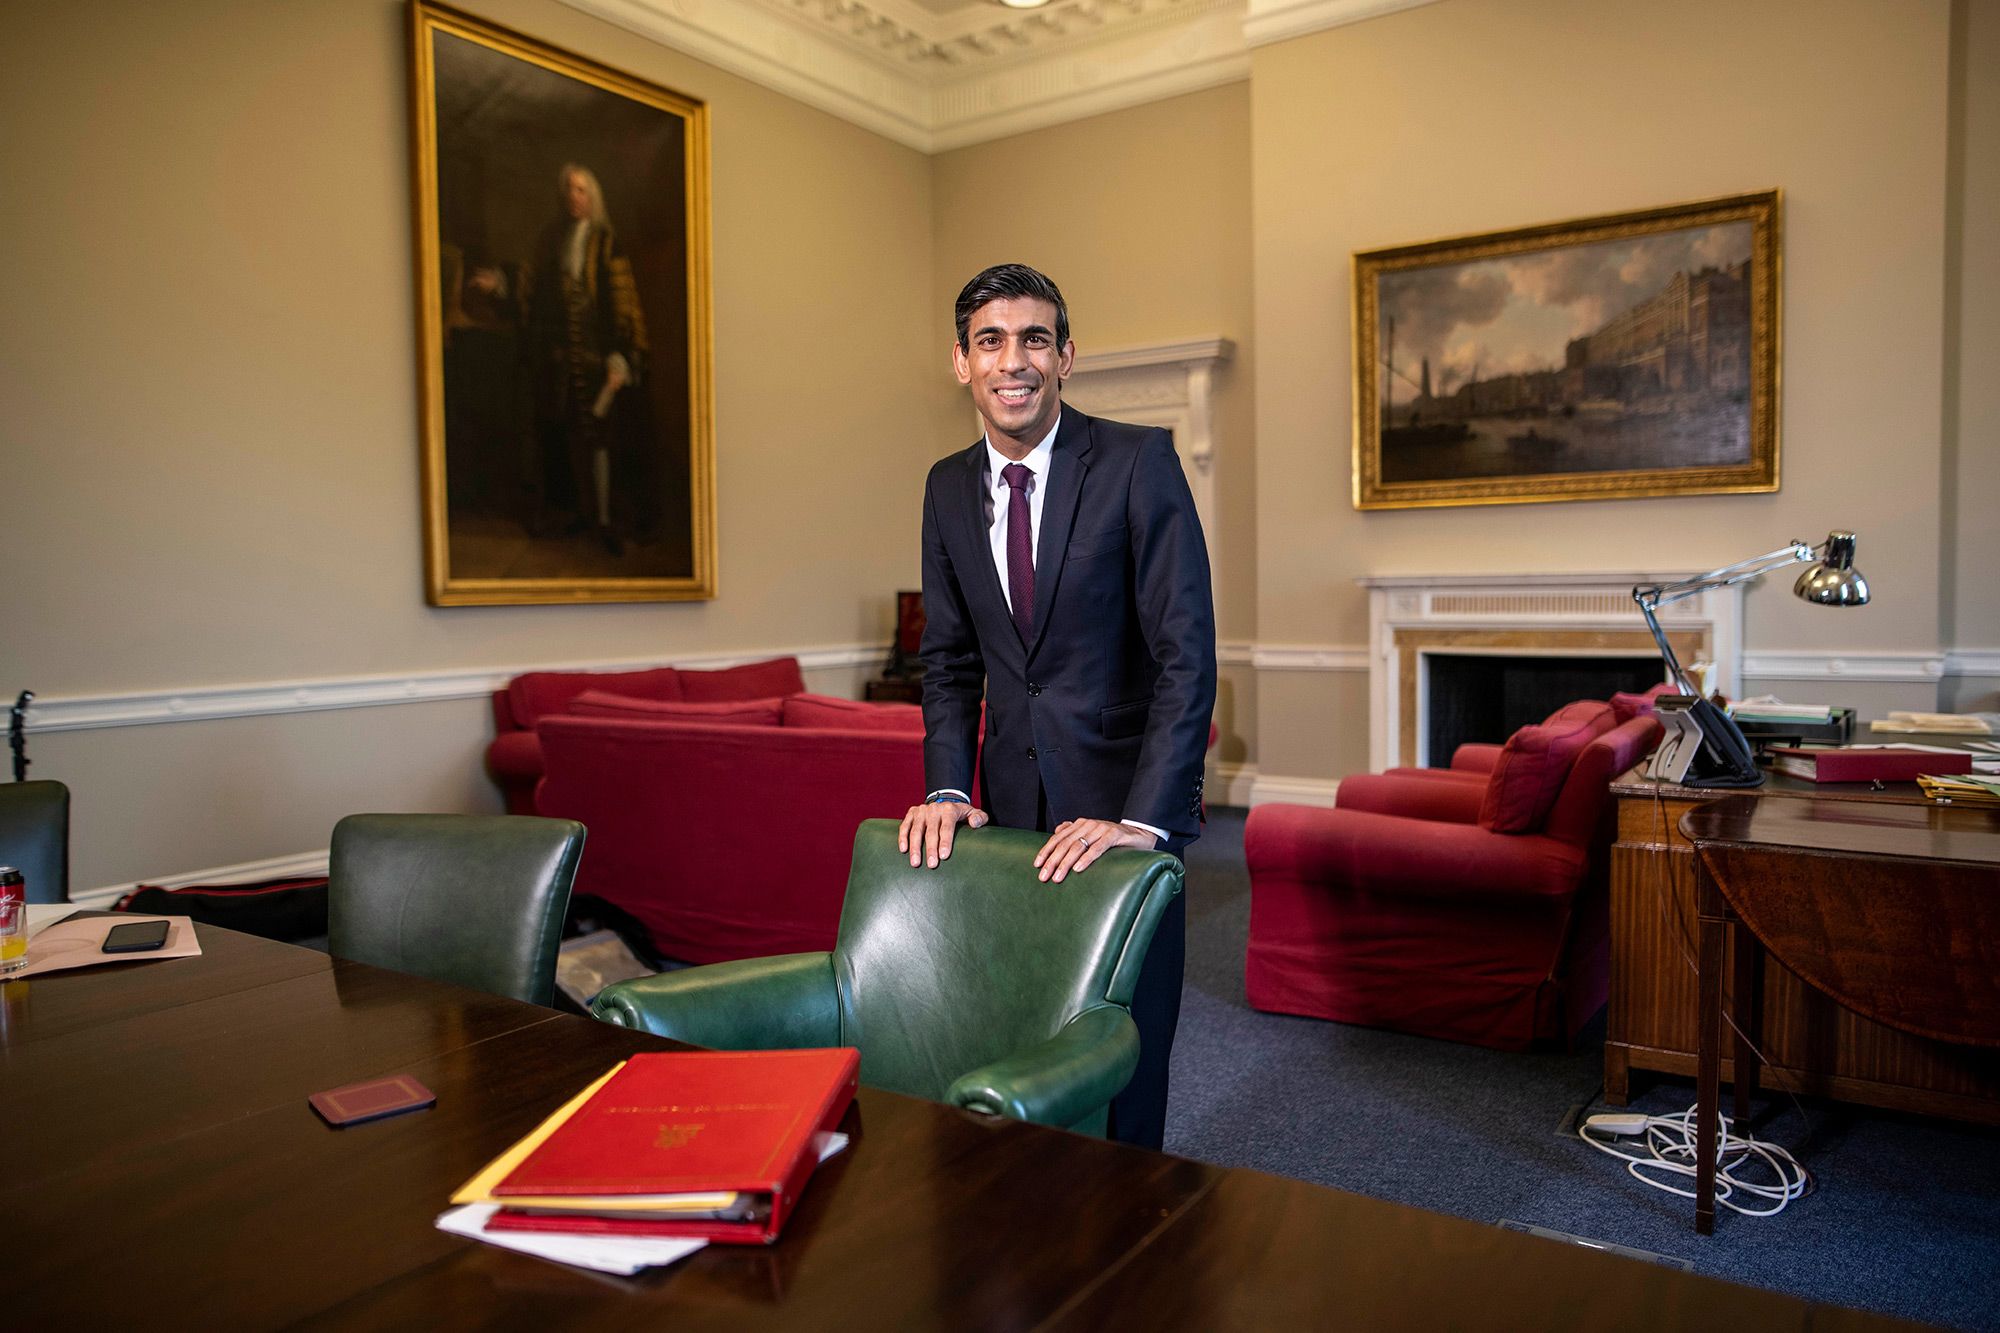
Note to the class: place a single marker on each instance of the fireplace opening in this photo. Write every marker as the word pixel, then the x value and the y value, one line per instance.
pixel 1476 697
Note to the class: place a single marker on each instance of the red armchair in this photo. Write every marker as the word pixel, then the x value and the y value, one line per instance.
pixel 514 757
pixel 1469 903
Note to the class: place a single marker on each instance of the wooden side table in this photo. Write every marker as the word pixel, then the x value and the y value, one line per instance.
pixel 894 690
pixel 1813 1045
pixel 1891 911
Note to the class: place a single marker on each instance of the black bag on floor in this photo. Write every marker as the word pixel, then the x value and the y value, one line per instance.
pixel 277 909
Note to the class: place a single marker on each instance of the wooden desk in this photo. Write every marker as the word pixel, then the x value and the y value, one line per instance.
pixel 1892 910
pixel 164 1169
pixel 1815 1046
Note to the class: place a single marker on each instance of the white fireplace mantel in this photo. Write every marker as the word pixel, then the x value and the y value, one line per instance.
pixel 1411 616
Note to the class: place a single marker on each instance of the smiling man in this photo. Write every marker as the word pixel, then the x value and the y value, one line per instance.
pixel 1066 581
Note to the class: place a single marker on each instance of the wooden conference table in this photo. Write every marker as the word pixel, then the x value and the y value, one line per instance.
pixel 162 1169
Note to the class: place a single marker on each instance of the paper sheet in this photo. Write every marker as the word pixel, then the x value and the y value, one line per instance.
pixel 624 1255
pixel 68 944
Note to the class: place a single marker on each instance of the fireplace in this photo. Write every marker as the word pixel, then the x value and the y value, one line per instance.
pixel 1568 635
pixel 1488 697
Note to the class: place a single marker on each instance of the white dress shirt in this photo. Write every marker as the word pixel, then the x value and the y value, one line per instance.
pixel 1001 498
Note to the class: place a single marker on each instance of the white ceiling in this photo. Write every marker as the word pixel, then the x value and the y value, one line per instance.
pixel 938 74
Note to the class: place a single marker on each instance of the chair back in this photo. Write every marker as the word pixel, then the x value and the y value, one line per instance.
pixel 1586 793
pixel 473 899
pixel 943 971
pixel 34 837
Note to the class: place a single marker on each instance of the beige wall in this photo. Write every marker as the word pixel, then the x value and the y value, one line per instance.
pixel 1470 115
pixel 1972 403
pixel 209 371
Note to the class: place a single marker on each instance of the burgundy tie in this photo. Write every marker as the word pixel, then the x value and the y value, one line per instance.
pixel 1020 548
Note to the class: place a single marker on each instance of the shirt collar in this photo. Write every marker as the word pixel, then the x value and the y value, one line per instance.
pixel 1037 461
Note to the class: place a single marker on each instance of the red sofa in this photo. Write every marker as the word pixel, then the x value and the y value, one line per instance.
pixel 728 836
pixel 514 758
pixel 1469 904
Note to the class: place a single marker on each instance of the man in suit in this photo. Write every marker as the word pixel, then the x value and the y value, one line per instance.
pixel 1066 580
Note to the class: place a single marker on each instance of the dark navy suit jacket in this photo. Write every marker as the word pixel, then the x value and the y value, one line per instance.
pixel 1106 707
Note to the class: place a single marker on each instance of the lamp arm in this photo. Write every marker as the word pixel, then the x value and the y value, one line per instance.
pixel 1796 553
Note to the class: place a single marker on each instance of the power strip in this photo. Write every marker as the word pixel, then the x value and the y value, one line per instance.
pixel 1670 1155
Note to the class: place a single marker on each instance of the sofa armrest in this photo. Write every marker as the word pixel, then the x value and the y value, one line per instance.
pixel 1424 794
pixel 785 1002
pixel 1379 853
pixel 1064 1079
pixel 1479 757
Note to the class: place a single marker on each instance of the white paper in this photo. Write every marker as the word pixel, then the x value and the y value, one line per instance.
pixel 66 944
pixel 624 1255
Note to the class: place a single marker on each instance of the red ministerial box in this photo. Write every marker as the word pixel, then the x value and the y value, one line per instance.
pixel 748 1122
pixel 1888 764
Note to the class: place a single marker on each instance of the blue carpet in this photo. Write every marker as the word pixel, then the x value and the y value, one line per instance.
pixel 1905 1219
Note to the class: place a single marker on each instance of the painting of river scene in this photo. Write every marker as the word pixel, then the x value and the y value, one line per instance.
pixel 1620 356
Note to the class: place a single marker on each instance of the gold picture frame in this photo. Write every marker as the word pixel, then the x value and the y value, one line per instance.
pixel 564 326
pixel 1615 357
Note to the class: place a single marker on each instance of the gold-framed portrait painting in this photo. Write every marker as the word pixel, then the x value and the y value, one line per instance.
pixel 1635 354
pixel 563 323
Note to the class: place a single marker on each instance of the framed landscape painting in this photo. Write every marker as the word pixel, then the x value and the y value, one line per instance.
pixel 1630 355
pixel 563 323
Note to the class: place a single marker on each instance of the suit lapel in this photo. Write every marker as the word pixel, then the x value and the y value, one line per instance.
pixel 1068 466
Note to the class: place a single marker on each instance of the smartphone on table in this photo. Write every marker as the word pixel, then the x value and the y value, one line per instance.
pixel 137 937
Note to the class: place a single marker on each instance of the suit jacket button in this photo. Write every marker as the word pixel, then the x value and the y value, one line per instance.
pixel 1031 752
pixel 1033 689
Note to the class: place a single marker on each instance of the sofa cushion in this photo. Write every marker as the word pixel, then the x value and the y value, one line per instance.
pixel 539 694
pixel 753 680
pixel 824 712
pixel 1625 707
pixel 1534 763
pixel 515 754
pixel 720 713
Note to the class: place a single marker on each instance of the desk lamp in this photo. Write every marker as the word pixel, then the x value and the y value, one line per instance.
pixel 1724 759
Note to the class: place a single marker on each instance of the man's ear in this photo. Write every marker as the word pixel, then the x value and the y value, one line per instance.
pixel 1067 362
pixel 960 365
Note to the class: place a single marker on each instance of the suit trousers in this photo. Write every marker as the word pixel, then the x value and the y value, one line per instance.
pixel 1139 1113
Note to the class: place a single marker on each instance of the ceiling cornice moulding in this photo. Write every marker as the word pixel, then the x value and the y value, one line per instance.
pixel 1269 21
pixel 934 82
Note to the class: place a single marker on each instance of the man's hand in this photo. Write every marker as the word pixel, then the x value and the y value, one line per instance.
pixel 927 829
pixel 1076 843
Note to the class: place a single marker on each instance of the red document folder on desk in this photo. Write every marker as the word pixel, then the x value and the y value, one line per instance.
pixel 747 1122
pixel 1868 765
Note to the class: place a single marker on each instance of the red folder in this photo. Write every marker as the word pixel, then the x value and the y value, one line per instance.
pixel 698 1122
pixel 1884 765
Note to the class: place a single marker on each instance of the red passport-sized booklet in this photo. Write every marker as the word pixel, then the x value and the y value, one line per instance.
pixel 1868 765
pixel 695 1122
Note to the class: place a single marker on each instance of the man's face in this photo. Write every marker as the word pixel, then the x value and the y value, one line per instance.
pixel 576 195
pixel 1015 370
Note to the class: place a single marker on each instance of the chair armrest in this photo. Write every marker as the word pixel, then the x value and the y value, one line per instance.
pixel 1378 853
pixel 1414 794
pixel 1480 757
pixel 779 1003
pixel 1062 1080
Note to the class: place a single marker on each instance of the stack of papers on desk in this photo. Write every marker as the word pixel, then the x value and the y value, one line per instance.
pixel 1769 709
pixel 1973 790
pixel 1958 724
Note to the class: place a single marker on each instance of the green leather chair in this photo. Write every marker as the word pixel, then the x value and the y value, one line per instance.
pixel 974 984
pixel 34 837
pixel 473 899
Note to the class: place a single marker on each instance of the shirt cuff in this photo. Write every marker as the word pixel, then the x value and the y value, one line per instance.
pixel 1159 834
pixel 951 792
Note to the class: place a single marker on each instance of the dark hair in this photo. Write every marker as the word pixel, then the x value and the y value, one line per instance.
pixel 1005 282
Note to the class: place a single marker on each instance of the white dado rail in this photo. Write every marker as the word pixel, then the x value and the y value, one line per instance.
pixel 1169 385
pixel 1412 616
